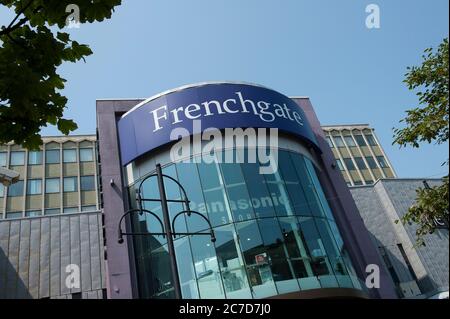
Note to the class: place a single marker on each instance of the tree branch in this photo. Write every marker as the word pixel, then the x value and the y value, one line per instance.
pixel 12 27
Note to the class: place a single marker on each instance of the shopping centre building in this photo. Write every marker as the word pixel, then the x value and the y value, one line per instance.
pixel 294 232
pixel 268 214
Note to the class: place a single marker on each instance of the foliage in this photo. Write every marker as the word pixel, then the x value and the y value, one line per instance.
pixel 32 47
pixel 428 123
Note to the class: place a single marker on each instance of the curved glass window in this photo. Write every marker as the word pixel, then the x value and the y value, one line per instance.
pixel 275 232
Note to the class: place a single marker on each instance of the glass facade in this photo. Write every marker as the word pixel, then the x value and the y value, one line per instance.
pixel 275 233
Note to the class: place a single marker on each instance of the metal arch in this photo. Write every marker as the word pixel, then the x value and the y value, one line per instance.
pixel 186 198
pixel 189 212
pixel 120 240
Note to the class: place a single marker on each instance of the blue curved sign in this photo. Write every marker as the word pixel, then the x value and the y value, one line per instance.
pixel 222 105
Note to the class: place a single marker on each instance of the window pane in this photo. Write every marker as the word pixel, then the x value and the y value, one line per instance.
pixel 349 164
pixel 34 186
pixel 371 162
pixel 3 159
pixel 2 190
pixel 70 184
pixel 339 164
pixel 338 141
pixel 371 140
pixel 33 213
pixel 13 215
pixel 260 197
pixel 52 211
pixel 17 158
pixel 382 162
pixel 358 183
pixel 329 141
pixel 297 190
pixel 70 156
pixel 236 189
pixel 34 157
pixel 16 189
pixel 360 140
pixel 349 140
pixel 189 179
pixel 87 183
pixel 214 194
pixel 90 208
pixel 186 270
pixel 86 154
pixel 70 210
pixel 360 163
pixel 52 156
pixel 206 267
pixel 282 271
pixel 52 185
pixel 256 260
pixel 231 264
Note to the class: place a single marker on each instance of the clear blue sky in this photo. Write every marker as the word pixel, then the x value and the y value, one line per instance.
pixel 321 49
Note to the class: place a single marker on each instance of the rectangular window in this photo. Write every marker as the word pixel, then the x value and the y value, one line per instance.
pixel 329 141
pixel 87 183
pixel 90 208
pixel 33 213
pixel 13 215
pixel 16 189
pixel 3 159
pixel 371 140
pixel 349 164
pixel 86 155
pixel 52 185
pixel 34 157
pixel 70 156
pixel 17 158
pixel 52 211
pixel 34 186
pixel 360 140
pixel 360 163
pixel 371 162
pixel 70 210
pixel 339 164
pixel 70 184
pixel 2 190
pixel 52 156
pixel 338 141
pixel 382 161
pixel 350 141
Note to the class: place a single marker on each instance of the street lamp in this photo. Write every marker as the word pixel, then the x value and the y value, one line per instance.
pixel 167 225
pixel 8 177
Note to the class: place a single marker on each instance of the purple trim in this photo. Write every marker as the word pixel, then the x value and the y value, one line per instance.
pixel 120 274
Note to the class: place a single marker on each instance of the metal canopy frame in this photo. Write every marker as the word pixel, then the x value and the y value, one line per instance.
pixel 167 225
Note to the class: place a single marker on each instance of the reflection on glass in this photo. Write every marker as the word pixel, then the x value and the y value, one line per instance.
pixel 260 197
pixel 236 188
pixel 188 177
pixel 207 269
pixel 231 263
pixel 256 259
pixel 186 271
pixel 214 194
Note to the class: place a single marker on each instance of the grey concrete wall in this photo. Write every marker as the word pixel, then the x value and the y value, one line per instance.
pixel 383 204
pixel 34 254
